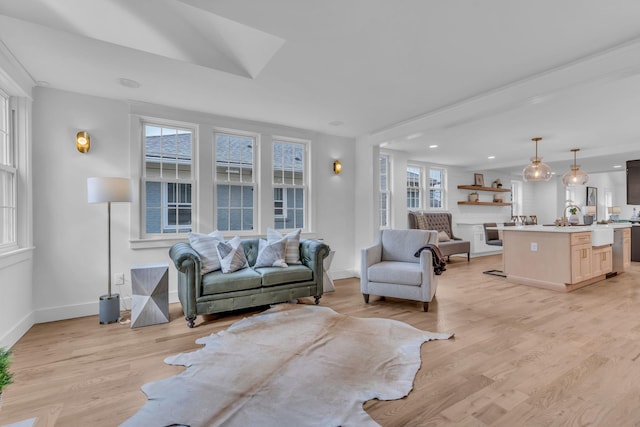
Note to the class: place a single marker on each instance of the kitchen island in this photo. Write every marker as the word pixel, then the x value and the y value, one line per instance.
pixel 564 258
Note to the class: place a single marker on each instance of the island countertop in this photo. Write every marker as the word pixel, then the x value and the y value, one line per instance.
pixel 566 229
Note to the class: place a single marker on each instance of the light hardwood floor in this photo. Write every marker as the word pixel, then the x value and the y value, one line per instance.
pixel 521 356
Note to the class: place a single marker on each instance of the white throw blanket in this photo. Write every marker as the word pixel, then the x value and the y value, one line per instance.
pixel 293 365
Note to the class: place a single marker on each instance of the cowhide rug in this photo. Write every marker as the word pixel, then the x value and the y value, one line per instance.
pixel 293 365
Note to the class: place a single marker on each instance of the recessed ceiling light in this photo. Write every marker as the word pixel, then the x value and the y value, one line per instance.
pixel 131 84
pixel 336 123
pixel 491 157
pixel 617 166
pixel 433 146
pixel 415 135
pixel 384 144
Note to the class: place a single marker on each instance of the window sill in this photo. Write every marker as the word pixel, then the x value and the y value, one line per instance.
pixel 168 242
pixel 15 256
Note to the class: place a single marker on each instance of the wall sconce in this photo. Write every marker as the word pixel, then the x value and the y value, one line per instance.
pixel 83 141
pixel 337 167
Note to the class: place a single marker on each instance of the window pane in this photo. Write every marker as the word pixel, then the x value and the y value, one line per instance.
pixel 234 208
pixel 153 194
pixel 222 196
pixel 153 220
pixel 167 152
pixel 435 178
pixel 435 198
pixel 247 219
pixel 223 219
pixel 288 163
pixel 234 157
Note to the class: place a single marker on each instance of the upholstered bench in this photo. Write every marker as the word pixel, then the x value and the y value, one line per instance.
pixel 441 222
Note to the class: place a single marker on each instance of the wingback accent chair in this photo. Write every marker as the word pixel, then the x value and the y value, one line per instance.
pixel 441 221
pixel 389 267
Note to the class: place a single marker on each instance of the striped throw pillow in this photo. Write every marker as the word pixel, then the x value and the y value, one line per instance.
pixel 292 251
pixel 205 245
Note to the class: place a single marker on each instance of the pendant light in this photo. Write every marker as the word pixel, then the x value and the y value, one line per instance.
pixel 536 170
pixel 575 176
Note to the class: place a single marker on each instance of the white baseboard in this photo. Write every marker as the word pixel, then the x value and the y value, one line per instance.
pixel 343 274
pixel 52 314
pixel 15 333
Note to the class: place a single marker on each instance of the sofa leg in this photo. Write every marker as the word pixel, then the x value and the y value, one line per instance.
pixel 425 306
pixel 191 321
pixel 468 256
pixel 316 299
pixel 366 298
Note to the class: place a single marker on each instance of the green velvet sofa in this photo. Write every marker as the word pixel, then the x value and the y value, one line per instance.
pixel 216 292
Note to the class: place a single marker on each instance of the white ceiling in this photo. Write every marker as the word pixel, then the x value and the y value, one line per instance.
pixel 476 78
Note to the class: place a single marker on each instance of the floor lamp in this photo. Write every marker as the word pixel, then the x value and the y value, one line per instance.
pixel 109 190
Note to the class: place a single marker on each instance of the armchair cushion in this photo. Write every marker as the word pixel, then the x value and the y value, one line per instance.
pixel 402 273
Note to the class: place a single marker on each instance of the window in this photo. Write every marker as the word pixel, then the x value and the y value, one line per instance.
pixel 414 184
pixel 517 200
pixel 8 176
pixel 168 179
pixel 235 181
pixel 437 188
pixel 289 184
pixel 384 191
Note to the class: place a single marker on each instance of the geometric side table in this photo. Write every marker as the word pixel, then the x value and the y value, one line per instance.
pixel 150 295
pixel 327 283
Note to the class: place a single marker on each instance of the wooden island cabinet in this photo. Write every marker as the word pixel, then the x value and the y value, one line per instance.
pixel 558 258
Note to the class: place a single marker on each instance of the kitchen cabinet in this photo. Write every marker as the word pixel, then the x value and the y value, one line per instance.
pixel 601 261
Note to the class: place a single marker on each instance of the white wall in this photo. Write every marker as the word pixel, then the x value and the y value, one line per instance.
pixel 70 235
pixel 16 305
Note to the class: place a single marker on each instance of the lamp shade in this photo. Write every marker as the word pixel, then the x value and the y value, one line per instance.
pixel 102 190
pixel 536 170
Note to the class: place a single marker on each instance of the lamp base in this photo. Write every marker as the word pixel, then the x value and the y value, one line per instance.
pixel 109 309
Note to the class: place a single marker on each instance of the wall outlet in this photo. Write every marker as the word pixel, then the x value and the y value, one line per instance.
pixel 534 247
pixel 118 279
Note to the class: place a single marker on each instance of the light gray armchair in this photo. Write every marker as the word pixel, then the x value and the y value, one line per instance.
pixel 390 268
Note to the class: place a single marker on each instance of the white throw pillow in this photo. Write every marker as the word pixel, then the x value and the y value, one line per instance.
pixel 231 255
pixel 205 245
pixel 271 254
pixel 292 251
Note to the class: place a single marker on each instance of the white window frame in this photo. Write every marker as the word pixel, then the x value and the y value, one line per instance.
pixel 9 168
pixel 304 186
pixel 420 187
pixel 162 123
pixel 166 205
pixel 442 189
pixel 282 199
pixel 517 199
pixel 386 192
pixel 253 183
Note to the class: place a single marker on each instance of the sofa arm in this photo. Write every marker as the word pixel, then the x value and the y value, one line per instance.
pixel 312 254
pixel 187 262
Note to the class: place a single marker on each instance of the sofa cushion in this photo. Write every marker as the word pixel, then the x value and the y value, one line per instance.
pixel 454 247
pixel 272 276
pixel 205 245
pixel 218 282
pixel 402 273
